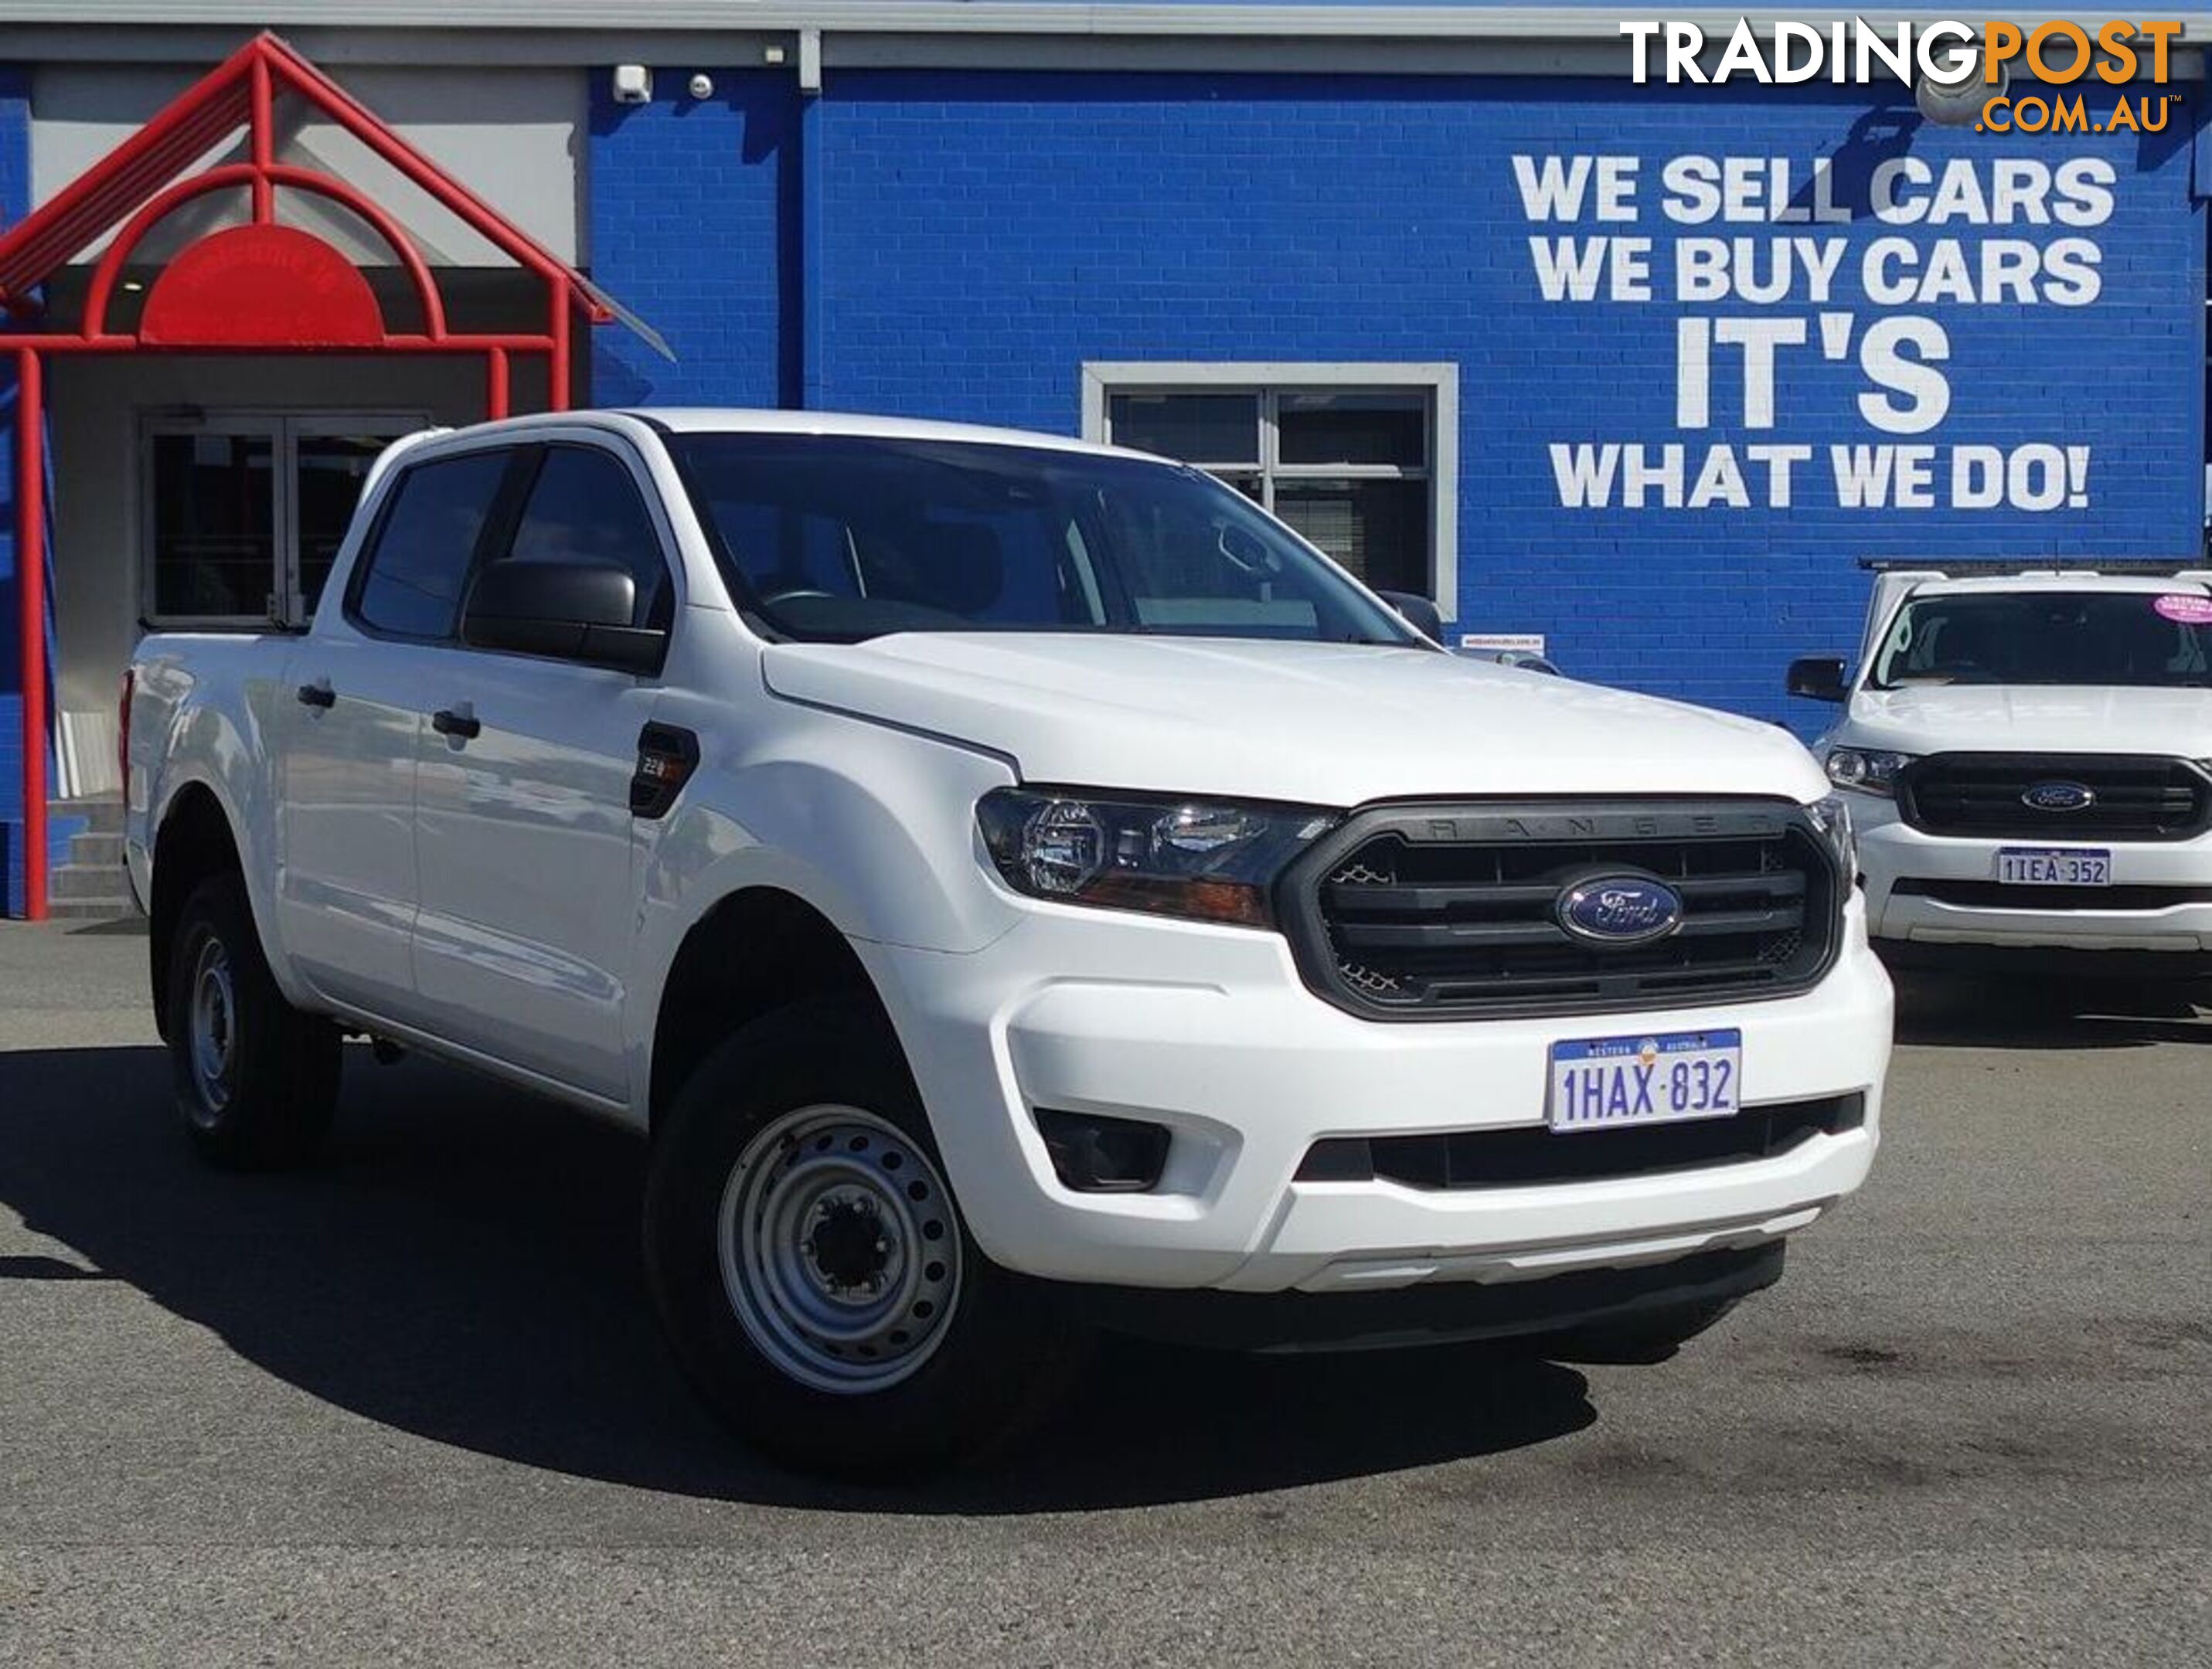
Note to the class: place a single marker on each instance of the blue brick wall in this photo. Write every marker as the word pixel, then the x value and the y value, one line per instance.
pixel 15 202
pixel 981 235
pixel 690 204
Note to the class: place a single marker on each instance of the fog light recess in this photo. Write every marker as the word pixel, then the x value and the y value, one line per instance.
pixel 1093 1154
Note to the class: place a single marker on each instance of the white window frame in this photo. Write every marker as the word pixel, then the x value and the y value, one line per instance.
pixel 285 428
pixel 1439 380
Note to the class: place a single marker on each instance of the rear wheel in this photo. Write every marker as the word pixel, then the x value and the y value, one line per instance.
pixel 257 1080
pixel 810 1263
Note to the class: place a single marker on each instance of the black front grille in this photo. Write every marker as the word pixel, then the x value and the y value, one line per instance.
pixel 2003 895
pixel 2134 798
pixel 1525 1157
pixel 1445 912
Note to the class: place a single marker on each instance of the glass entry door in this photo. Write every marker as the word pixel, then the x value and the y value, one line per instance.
pixel 245 511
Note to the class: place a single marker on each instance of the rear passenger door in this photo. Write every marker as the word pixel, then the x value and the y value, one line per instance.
pixel 351 731
pixel 523 939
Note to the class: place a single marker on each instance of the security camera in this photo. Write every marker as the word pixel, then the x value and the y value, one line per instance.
pixel 633 84
pixel 1961 104
pixel 702 87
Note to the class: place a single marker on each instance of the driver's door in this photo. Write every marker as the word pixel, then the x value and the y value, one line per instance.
pixel 523 939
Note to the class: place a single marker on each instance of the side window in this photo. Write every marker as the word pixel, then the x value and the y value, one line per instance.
pixel 419 566
pixel 585 507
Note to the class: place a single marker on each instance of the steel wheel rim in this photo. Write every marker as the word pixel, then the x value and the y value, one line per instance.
pixel 214 1028
pixel 839 1251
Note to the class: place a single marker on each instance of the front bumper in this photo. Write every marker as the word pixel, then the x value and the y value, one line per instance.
pixel 1210 1032
pixel 1892 852
pixel 1434 1312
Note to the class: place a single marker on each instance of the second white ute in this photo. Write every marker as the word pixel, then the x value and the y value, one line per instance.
pixel 2029 760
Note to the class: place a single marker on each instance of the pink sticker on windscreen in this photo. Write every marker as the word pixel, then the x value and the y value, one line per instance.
pixel 2187 607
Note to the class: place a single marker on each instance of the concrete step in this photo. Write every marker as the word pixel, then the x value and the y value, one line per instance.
pixel 96 851
pixel 103 815
pixel 83 881
pixel 93 885
pixel 90 909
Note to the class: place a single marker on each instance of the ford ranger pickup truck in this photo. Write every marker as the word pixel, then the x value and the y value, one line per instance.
pixel 2028 759
pixel 1018 887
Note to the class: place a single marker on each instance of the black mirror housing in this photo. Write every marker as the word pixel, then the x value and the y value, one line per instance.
pixel 1418 611
pixel 1818 678
pixel 578 611
pixel 1526 661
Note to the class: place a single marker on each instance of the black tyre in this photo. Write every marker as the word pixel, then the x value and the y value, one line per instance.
pixel 1638 1342
pixel 257 1081
pixel 810 1266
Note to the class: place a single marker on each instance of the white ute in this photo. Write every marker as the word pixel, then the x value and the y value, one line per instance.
pixel 1019 886
pixel 2029 756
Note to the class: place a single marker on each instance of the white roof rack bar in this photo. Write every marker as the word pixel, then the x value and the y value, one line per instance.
pixel 2192 566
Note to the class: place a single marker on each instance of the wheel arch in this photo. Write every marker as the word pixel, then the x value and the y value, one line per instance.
pixel 756 950
pixel 196 839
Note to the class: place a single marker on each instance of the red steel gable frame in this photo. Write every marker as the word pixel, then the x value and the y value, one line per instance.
pixel 255 288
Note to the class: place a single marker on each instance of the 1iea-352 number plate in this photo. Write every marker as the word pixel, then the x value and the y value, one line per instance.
pixel 1604 1082
pixel 2055 866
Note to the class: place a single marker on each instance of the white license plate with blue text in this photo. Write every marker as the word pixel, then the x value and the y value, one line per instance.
pixel 2054 866
pixel 1602 1083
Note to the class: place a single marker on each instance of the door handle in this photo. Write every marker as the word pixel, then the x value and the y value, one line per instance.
pixel 317 695
pixel 446 722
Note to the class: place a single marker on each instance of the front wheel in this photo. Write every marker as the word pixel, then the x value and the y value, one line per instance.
pixel 810 1265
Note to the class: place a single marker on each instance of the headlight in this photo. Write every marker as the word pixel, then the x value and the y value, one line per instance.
pixel 1210 860
pixel 1867 770
pixel 1833 817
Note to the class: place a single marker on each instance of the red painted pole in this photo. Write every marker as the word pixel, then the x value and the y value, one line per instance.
pixel 262 121
pixel 31 617
pixel 496 383
pixel 557 362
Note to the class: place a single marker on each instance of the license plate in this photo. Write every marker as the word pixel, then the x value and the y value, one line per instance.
pixel 2054 866
pixel 1601 1083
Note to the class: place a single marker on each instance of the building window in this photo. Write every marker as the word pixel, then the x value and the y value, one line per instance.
pixel 1361 459
pixel 244 512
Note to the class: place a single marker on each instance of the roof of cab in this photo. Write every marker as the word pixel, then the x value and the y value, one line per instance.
pixel 733 420
pixel 710 420
pixel 2080 579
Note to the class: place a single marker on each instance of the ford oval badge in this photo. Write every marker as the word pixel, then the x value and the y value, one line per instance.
pixel 2058 797
pixel 1619 909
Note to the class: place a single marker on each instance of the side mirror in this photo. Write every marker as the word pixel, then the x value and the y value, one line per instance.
pixel 1818 678
pixel 578 611
pixel 1419 612
pixel 1526 661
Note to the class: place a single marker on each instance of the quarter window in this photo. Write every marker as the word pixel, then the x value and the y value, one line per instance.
pixel 584 508
pixel 426 543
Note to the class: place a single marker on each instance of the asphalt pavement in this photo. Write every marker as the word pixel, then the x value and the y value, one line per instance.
pixel 408 1408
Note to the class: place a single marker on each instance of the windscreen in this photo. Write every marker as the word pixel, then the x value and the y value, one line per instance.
pixel 2148 639
pixel 839 537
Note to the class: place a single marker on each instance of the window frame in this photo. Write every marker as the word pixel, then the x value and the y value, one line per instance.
pixel 516 506
pixel 1272 379
pixel 498 523
pixel 283 428
pixel 525 457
